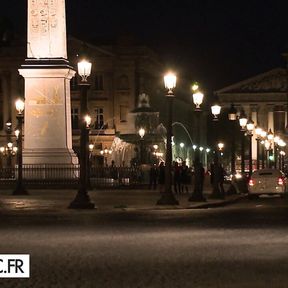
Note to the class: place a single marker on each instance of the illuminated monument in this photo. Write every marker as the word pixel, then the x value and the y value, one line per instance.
pixel 47 127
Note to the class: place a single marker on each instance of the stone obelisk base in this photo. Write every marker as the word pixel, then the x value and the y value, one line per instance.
pixel 47 120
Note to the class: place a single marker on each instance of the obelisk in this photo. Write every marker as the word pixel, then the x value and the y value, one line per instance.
pixel 47 73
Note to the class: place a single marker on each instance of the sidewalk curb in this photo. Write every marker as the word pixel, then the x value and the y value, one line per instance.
pixel 220 203
pixel 205 205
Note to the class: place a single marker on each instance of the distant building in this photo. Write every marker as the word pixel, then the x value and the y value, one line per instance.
pixel 120 73
pixel 264 98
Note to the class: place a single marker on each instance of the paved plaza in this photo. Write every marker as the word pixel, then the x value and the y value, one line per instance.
pixel 57 200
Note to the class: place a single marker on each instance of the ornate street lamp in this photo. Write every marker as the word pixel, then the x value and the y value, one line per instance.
pixel 167 197
pixel 198 96
pixel 82 199
pixel 250 128
pixel 20 189
pixel 220 146
pixel 258 132
pixel 276 140
pixel 232 116
pixel 141 133
pixel 215 109
pixel 263 137
pixel 281 160
pixel 106 152
pixel 243 121
pixel 216 166
pixel 270 137
pixel 232 113
pixel 198 100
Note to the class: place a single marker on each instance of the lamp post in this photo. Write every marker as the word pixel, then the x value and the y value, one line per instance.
pixel 105 153
pixel 141 133
pixel 258 132
pixel 263 136
pixel 20 189
pixel 8 130
pixel 167 197
pixel 276 140
pixel 250 127
pixel 281 159
pixel 232 116
pixel 197 194
pixel 243 121
pixel 270 137
pixel 282 154
pixel 82 199
pixel 215 167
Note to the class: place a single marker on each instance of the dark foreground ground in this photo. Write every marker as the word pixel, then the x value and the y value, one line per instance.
pixel 239 245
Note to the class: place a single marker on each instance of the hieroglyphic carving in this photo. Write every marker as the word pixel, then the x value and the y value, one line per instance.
pixel 46 29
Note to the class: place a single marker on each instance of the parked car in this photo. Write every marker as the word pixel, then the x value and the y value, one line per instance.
pixel 267 181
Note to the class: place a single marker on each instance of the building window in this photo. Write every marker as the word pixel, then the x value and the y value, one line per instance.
pixel 99 83
pixel 99 112
pixel 75 118
pixel 123 113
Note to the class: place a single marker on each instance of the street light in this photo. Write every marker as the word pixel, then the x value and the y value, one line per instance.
pixel 243 121
pixel 20 189
pixel 215 109
pixel 198 99
pixel 197 194
pixel 232 116
pixel 281 160
pixel 270 158
pixel 106 152
pixel 167 197
pixel 82 199
pixel 258 132
pixel 220 146
pixel 270 135
pixel 141 132
pixel 250 128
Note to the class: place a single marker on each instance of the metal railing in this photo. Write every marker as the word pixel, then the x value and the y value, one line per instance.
pixel 43 175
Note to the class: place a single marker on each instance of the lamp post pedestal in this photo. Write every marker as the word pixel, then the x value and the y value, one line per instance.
pixel 258 153
pixel 20 188
pixel 82 199
pixel 243 152
pixel 250 155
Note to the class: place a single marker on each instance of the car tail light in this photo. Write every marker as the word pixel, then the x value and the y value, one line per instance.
pixel 280 181
pixel 251 182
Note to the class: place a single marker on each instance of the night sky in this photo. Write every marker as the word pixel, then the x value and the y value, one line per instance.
pixel 214 42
